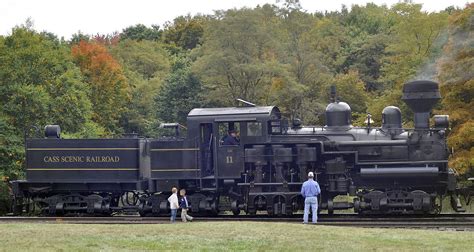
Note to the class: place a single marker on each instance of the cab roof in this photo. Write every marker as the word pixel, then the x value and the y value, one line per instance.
pixel 235 112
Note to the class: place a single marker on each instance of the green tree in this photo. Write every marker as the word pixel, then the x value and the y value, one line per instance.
pixel 329 39
pixel 298 89
pixel 140 113
pixel 77 37
pixel 147 58
pixel 185 31
pixel 11 149
pixel 141 32
pixel 146 64
pixel 414 36
pixel 369 29
pixel 180 92
pixel 39 84
pixel 238 57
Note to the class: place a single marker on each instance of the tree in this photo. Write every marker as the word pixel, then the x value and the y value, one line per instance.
pixel 297 70
pixel 141 32
pixel 180 92
pixel 108 39
pixel 329 39
pixel 239 56
pixel 39 85
pixel 185 31
pixel 11 149
pixel 369 28
pixel 140 113
pixel 78 37
pixel 297 49
pixel 457 88
pixel 366 59
pixel 414 36
pixel 109 87
pixel 146 64
pixel 147 58
pixel 38 81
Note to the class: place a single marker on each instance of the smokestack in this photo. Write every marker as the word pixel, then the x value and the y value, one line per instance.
pixel 421 96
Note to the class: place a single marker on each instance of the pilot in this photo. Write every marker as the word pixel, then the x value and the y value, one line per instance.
pixel 231 138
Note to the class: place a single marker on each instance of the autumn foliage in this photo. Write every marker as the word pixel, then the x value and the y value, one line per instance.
pixel 109 86
pixel 456 77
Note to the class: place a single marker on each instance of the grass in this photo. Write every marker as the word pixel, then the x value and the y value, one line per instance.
pixel 225 236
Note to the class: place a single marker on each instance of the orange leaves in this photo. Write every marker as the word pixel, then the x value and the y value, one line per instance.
pixel 110 89
pixel 93 57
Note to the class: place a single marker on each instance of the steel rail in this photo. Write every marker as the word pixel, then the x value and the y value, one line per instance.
pixel 443 222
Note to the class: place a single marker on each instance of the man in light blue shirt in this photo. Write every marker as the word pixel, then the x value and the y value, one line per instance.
pixel 310 190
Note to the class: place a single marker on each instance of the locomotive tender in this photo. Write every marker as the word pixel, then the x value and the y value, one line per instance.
pixel 386 170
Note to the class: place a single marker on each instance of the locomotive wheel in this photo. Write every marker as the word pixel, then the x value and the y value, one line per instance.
pixel 251 211
pixel 330 207
pixel 439 204
pixel 142 204
pixel 17 206
pixel 356 205
pixel 30 206
pixel 235 207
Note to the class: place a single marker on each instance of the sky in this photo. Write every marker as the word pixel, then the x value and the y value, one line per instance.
pixel 64 18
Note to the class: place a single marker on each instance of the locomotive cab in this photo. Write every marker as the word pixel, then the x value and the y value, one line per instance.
pixel 212 126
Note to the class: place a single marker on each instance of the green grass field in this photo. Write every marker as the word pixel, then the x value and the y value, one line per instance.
pixel 224 236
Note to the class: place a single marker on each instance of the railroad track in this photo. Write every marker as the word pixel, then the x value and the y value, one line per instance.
pixel 464 222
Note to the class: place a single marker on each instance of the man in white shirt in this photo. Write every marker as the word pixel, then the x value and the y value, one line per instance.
pixel 174 205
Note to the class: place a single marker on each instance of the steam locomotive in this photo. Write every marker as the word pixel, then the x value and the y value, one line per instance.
pixel 379 170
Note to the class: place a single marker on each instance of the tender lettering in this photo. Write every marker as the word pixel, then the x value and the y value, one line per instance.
pixel 51 159
pixel 72 159
pixel 102 159
pixel 81 159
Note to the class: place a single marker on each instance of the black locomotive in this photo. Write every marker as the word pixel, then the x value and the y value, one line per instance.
pixel 386 170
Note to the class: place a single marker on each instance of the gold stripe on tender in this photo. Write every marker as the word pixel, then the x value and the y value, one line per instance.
pixel 184 149
pixel 82 169
pixel 78 149
pixel 173 170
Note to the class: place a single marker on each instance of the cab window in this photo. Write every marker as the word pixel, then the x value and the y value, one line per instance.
pixel 229 133
pixel 254 129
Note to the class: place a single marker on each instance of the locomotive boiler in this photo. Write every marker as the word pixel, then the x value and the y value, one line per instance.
pixel 379 170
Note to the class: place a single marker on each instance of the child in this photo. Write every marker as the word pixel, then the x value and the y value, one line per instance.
pixel 173 200
pixel 184 206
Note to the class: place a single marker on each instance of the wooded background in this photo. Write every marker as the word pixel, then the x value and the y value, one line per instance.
pixel 130 81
